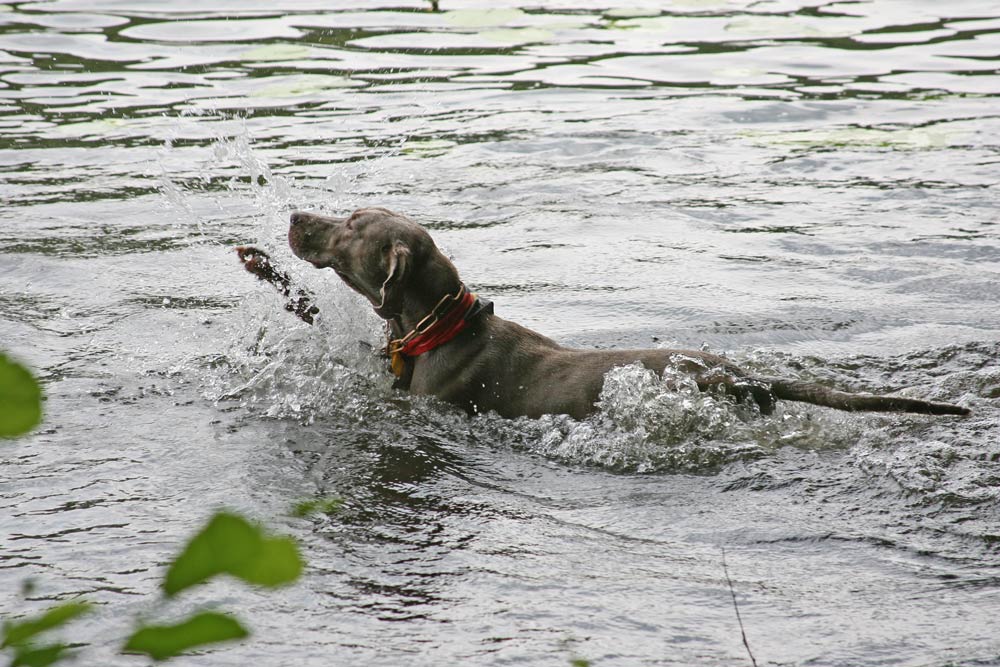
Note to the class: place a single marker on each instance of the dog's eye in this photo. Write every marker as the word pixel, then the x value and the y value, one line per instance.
pixel 386 248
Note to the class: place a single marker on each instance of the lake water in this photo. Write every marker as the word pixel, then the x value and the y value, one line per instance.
pixel 808 187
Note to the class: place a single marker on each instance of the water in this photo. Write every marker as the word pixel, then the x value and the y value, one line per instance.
pixel 808 187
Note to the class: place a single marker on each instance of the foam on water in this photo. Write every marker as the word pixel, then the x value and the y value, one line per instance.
pixel 279 368
pixel 645 423
pixel 291 370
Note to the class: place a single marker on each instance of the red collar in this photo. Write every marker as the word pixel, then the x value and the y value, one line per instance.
pixel 449 317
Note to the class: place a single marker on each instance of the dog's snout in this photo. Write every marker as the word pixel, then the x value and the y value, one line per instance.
pixel 297 217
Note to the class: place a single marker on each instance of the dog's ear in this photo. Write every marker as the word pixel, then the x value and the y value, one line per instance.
pixel 397 258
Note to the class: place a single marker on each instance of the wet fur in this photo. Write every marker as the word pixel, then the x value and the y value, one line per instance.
pixel 498 365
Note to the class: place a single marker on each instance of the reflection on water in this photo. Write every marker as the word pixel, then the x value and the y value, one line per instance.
pixel 809 187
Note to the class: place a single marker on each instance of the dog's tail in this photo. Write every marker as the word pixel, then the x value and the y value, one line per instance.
pixel 808 392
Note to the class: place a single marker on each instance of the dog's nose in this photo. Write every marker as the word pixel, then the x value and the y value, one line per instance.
pixel 297 217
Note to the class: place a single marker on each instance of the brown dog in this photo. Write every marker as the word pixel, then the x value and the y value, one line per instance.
pixel 447 343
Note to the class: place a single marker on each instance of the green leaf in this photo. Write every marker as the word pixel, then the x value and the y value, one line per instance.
pixel 229 544
pixel 216 549
pixel 19 633
pixel 166 641
pixel 277 563
pixel 324 505
pixel 39 657
pixel 20 399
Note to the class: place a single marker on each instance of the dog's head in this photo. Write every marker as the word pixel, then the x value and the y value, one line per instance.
pixel 378 253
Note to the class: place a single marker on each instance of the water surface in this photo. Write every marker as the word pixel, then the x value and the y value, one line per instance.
pixel 808 187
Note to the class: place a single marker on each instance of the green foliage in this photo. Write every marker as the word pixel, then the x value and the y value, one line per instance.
pixel 228 544
pixel 20 399
pixel 20 411
pixel 579 662
pixel 39 657
pixel 325 505
pixel 161 642
pixel 21 635
pixel 231 545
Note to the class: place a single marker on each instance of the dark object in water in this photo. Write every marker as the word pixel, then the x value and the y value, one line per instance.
pixel 257 262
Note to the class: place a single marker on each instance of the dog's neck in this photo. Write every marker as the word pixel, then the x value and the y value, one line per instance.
pixel 425 290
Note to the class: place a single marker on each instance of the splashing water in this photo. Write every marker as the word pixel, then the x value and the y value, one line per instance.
pixel 649 423
pixel 279 368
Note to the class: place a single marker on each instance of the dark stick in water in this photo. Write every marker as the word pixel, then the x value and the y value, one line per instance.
pixel 257 262
pixel 736 606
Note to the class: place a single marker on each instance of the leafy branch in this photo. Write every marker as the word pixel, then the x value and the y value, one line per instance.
pixel 227 544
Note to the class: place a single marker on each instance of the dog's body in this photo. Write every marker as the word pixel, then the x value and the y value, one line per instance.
pixel 486 363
